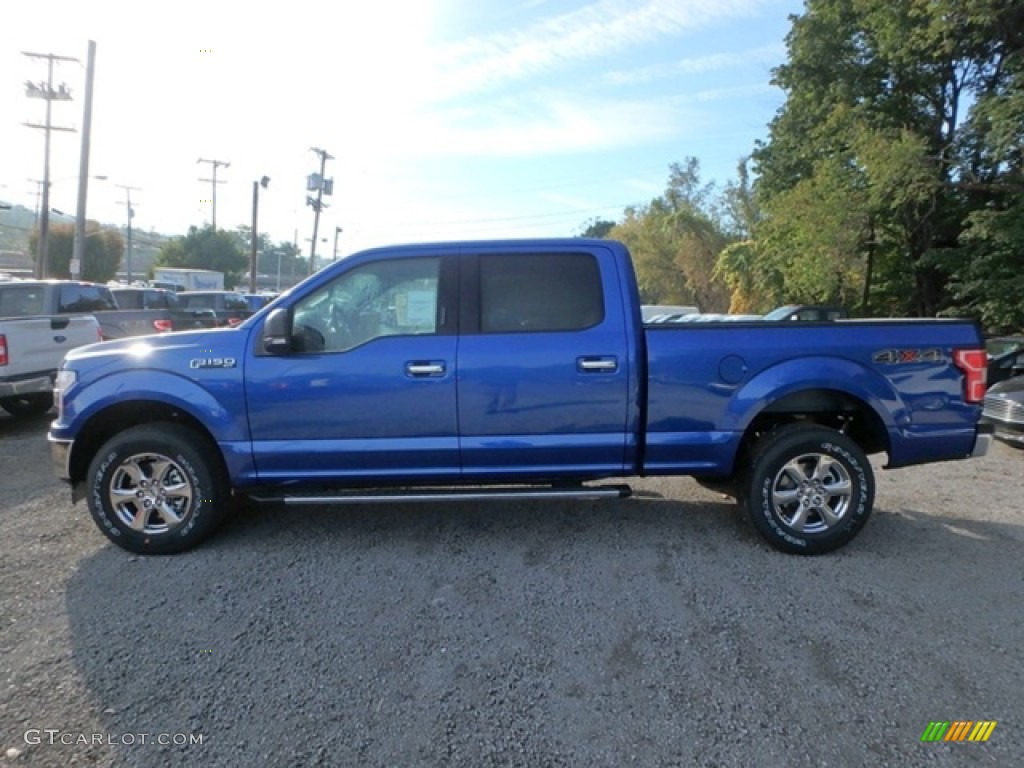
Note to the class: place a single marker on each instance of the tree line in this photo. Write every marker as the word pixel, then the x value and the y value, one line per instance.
pixel 890 181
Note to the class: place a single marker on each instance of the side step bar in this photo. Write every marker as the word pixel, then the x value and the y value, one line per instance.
pixel 453 494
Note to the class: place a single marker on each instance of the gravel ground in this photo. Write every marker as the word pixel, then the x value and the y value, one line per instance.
pixel 658 631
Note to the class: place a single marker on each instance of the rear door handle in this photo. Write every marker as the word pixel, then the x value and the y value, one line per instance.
pixel 425 368
pixel 597 364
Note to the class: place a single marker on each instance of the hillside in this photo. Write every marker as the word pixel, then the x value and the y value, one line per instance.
pixel 18 222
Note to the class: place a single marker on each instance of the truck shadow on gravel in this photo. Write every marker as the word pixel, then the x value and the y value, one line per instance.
pixel 25 425
pixel 393 634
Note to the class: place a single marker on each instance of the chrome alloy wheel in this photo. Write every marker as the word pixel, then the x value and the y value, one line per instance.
pixel 150 493
pixel 812 493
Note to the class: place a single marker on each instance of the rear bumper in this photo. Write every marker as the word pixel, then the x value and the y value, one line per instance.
pixel 983 441
pixel 33 385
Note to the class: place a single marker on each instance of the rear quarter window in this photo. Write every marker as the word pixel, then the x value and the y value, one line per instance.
pixel 21 301
pixel 78 297
pixel 128 299
pixel 200 302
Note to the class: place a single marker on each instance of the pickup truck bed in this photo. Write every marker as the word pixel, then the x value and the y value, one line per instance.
pixel 31 350
pixel 506 368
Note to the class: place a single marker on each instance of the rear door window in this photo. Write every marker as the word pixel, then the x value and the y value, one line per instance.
pixel 539 292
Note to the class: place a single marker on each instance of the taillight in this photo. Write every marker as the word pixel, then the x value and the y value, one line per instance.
pixel 974 364
pixel 3 349
pixel 233 321
pixel 162 326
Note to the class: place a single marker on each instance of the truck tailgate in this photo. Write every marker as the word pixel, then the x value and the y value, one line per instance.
pixel 38 344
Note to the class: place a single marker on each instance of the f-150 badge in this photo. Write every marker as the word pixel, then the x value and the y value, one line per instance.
pixel 212 362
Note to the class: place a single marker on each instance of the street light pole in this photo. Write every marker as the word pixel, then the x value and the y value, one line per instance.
pixel 263 182
pixel 131 212
pixel 337 231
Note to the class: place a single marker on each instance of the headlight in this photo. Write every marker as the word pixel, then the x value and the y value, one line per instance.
pixel 64 381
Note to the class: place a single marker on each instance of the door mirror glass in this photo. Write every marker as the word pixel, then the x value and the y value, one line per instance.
pixel 277 332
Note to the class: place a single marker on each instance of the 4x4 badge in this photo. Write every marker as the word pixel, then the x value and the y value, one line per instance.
pixel 904 356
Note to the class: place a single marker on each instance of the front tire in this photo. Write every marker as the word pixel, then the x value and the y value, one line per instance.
pixel 157 489
pixel 811 489
pixel 26 406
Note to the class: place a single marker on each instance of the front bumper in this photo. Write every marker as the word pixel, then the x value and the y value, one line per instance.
pixel 30 386
pixel 60 457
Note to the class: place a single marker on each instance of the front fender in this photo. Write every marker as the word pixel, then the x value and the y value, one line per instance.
pixel 220 407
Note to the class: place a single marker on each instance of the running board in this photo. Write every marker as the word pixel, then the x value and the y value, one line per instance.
pixel 449 494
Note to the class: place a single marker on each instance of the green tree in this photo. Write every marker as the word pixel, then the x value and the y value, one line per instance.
pixel 293 264
pixel 104 248
pixel 597 227
pixel 206 249
pixel 676 240
pixel 890 137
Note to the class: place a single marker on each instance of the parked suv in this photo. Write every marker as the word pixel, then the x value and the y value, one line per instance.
pixel 229 307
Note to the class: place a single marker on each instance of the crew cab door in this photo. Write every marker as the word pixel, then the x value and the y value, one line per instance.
pixel 367 390
pixel 544 363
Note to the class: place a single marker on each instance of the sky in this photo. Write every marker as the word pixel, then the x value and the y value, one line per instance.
pixel 444 119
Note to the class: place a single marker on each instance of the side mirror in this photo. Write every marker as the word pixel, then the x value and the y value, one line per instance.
pixel 277 332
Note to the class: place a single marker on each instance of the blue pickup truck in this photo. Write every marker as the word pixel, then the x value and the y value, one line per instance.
pixel 495 370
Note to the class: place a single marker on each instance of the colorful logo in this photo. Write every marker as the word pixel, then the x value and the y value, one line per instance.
pixel 958 730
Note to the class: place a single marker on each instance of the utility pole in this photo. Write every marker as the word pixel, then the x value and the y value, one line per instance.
pixel 131 212
pixel 78 251
pixel 213 199
pixel 44 90
pixel 317 182
pixel 263 182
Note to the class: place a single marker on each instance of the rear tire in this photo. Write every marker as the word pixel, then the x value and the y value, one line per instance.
pixel 158 489
pixel 811 489
pixel 25 406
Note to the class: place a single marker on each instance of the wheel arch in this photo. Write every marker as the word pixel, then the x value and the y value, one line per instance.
pixel 106 423
pixel 827 407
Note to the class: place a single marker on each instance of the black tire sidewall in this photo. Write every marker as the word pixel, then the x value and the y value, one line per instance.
pixel 210 498
pixel 781 449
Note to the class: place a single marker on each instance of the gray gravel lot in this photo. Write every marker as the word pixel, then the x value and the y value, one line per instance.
pixel 658 631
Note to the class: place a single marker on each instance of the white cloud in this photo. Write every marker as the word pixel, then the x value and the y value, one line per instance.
pixel 594 31
pixel 765 56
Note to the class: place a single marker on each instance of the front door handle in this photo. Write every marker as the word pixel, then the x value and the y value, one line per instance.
pixel 597 364
pixel 425 369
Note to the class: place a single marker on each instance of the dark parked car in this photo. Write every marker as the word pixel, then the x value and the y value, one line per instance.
pixel 177 314
pixel 1005 358
pixel 1004 410
pixel 807 313
pixel 258 301
pixel 230 307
